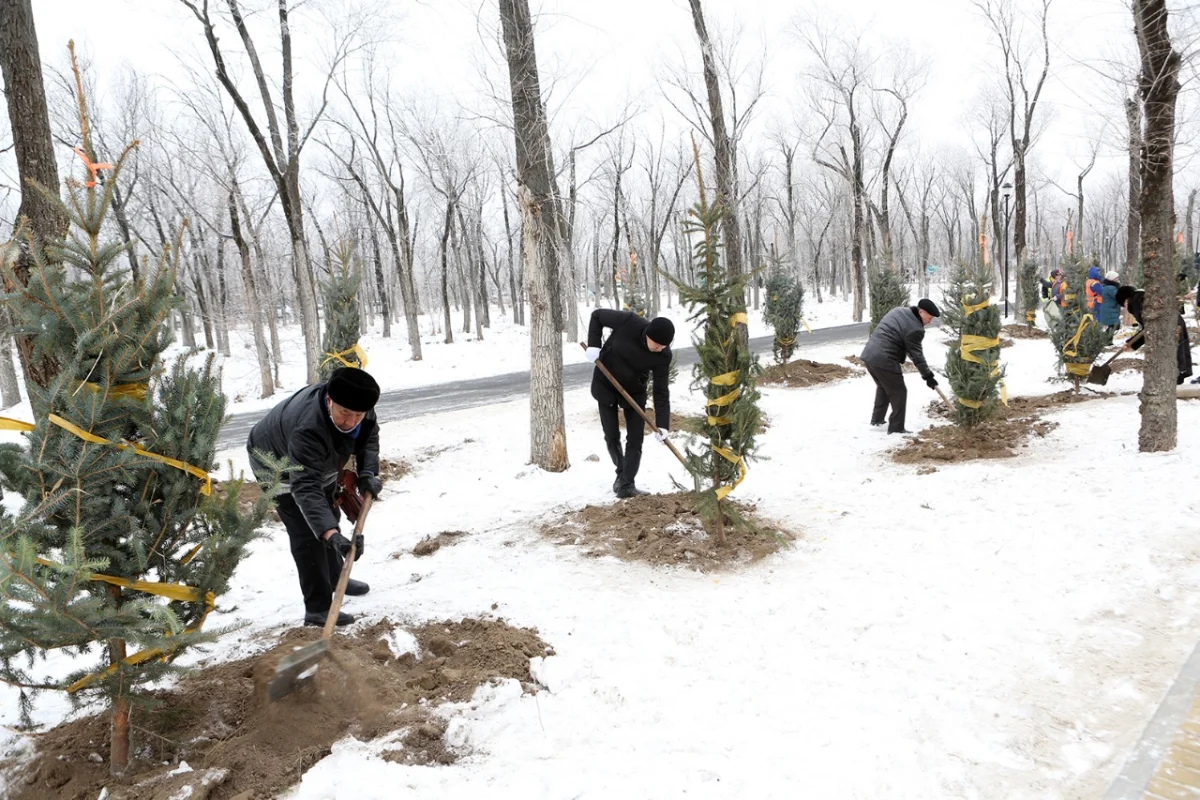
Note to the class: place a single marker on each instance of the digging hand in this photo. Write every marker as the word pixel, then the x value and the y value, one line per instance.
pixel 661 434
pixel 931 382
pixel 369 484
pixel 592 354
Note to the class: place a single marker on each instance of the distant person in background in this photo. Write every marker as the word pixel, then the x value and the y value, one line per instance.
pixel 897 337
pixel 1108 312
pixel 1133 300
pixel 1094 279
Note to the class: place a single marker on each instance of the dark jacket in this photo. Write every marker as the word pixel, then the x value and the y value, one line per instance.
pixel 898 336
pixel 1183 345
pixel 630 361
pixel 300 429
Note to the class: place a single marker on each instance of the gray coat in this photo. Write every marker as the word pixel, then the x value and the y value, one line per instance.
pixel 897 336
pixel 300 429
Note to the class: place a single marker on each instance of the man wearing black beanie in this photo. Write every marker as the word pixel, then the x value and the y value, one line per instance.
pixel 633 351
pixel 319 428
pixel 898 336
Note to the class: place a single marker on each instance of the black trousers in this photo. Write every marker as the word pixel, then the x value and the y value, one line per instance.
pixel 628 461
pixel 889 390
pixel 318 563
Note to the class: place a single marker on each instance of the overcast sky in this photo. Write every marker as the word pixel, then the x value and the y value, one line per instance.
pixel 614 51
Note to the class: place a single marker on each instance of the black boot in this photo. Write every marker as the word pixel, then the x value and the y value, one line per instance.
pixel 356 588
pixel 629 489
pixel 317 618
pixel 618 459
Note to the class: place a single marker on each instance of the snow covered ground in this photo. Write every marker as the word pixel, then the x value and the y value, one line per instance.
pixel 995 629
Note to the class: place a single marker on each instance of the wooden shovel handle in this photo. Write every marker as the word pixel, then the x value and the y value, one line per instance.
pixel 344 579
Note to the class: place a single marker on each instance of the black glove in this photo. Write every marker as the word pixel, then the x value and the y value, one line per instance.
pixel 369 485
pixel 931 382
pixel 340 543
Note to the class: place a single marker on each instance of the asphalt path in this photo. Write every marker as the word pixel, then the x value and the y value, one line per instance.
pixel 474 392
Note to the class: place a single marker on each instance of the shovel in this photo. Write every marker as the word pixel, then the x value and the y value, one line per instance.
pixel 298 668
pixel 1100 373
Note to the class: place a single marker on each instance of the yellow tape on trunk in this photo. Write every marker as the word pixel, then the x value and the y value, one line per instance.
pixel 356 351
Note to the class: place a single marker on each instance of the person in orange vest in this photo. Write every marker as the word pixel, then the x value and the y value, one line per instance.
pixel 1092 288
pixel 1058 290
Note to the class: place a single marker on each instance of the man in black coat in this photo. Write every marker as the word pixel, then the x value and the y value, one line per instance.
pixel 635 349
pixel 899 335
pixel 1134 301
pixel 319 428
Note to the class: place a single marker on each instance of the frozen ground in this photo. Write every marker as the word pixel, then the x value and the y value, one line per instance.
pixel 999 629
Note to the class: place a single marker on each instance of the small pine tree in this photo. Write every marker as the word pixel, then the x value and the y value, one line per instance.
pixel 114 474
pixel 782 310
pixel 1076 336
pixel 343 322
pixel 635 298
pixel 1031 291
pixel 887 292
pixel 726 370
pixel 973 356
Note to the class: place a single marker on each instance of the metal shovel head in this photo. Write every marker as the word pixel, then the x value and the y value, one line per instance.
pixel 1099 374
pixel 296 669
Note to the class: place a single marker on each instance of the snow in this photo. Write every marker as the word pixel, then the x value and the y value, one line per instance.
pixel 995 629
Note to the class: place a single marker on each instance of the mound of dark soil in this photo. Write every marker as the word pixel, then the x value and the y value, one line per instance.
pixel 665 530
pixel 1024 332
pixel 242 747
pixel 803 373
pixel 431 544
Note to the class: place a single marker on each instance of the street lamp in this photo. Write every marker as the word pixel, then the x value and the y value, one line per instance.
pixel 1006 190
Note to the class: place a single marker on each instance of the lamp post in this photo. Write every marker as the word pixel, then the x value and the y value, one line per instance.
pixel 1006 190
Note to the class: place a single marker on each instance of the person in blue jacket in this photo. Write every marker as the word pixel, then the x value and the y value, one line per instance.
pixel 1108 311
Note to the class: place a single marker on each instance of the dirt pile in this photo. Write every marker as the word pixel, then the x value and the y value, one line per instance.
pixel 247 496
pixel 1009 430
pixel 393 470
pixel 241 747
pixel 802 373
pixel 431 544
pixel 665 530
pixel 1024 332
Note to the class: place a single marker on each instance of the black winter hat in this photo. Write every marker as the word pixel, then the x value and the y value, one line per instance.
pixel 352 389
pixel 1124 293
pixel 661 330
pixel 929 307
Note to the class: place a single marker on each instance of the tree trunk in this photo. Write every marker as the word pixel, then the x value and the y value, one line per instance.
pixel 253 305
pixel 118 741
pixel 723 148
pixel 1159 85
pixel 1133 227
pixel 535 196
pixel 385 307
pixel 29 120
pixel 222 297
pixel 10 389
pixel 1189 228
pixel 446 228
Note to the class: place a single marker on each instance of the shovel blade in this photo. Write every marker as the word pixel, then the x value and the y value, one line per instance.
pixel 1099 374
pixel 296 669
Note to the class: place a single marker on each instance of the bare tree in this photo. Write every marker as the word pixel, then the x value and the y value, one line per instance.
pixel 1133 227
pixel 841 78
pixel 540 228
pixel 25 93
pixel 282 163
pixel 1158 84
pixel 723 150
pixel 906 77
pixel 1024 79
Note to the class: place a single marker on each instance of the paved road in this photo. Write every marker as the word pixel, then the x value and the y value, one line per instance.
pixel 478 391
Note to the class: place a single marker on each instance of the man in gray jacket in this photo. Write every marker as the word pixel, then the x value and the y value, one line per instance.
pixel 898 336
pixel 319 428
